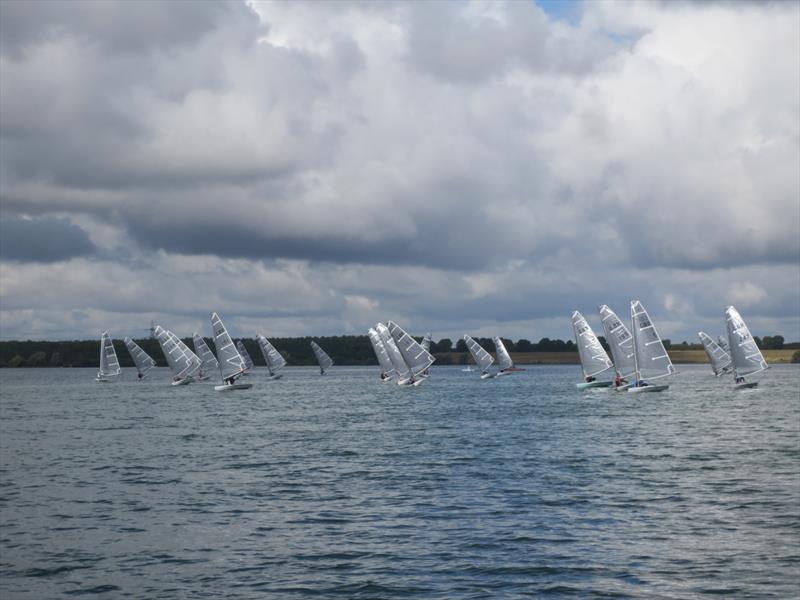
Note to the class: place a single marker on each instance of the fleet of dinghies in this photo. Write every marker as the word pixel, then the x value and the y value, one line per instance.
pixel 638 355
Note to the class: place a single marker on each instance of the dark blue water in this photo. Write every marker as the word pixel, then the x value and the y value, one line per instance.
pixel 344 487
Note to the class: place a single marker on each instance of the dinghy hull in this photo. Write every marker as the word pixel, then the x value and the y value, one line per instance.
pixel 487 375
pixel 593 384
pixel 640 389
pixel 746 386
pixel 182 382
pixel 235 386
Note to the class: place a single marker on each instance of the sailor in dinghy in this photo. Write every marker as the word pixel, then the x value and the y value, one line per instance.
pixel 594 359
pixel 231 363
pixel 746 357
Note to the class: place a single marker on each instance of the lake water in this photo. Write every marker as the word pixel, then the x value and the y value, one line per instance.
pixel 344 487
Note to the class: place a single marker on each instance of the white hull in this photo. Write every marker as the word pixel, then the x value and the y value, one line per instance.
pixel 232 387
pixel 274 377
pixel 182 382
pixel 418 382
pixel 647 388
pixel 487 375
pixel 746 385
pixel 103 379
pixel 203 378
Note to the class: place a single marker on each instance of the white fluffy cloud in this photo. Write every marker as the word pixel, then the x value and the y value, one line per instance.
pixel 317 166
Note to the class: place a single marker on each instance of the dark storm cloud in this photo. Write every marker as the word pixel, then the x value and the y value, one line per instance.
pixel 43 239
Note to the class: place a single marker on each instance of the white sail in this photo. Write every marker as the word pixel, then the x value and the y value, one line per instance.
pixel 208 362
pixel 417 358
pixel 593 356
pixel 182 361
pixel 275 362
pixel 723 343
pixel 140 358
pixel 482 358
pixel 248 362
pixel 720 360
pixel 398 362
pixel 325 361
pixel 746 357
pixel 503 359
pixel 109 365
pixel 387 368
pixel 426 342
pixel 619 340
pixel 652 360
pixel 231 363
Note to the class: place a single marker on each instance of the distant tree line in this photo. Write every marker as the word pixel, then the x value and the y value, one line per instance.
pixel 344 349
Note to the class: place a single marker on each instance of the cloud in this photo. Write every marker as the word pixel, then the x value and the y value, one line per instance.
pixel 43 239
pixel 450 163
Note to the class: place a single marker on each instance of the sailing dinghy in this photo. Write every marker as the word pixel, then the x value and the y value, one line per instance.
pixel 273 359
pixel 231 363
pixel 717 355
pixel 208 362
pixel 746 357
pixel 387 368
pixel 325 361
pixel 401 369
pixel 140 358
pixel 249 365
pixel 651 358
pixel 482 358
pixel 620 341
pixel 504 361
pixel 594 359
pixel 416 357
pixel 183 362
pixel 109 365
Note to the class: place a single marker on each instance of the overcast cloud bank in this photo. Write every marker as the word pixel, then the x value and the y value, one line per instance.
pixel 482 167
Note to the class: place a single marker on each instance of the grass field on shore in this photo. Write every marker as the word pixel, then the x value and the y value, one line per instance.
pixel 569 358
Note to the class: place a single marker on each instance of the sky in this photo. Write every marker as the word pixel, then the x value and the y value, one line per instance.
pixel 311 168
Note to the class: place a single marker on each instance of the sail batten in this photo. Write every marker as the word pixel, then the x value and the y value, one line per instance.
pixel 619 340
pixel 482 358
pixel 416 357
pixel 141 359
pixel 231 363
pixel 594 359
pixel 746 358
pixel 652 359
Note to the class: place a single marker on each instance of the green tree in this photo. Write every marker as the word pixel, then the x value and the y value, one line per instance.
pixel 55 359
pixel 796 357
pixel 524 346
pixel 443 345
pixel 16 361
pixel 37 359
pixel 461 346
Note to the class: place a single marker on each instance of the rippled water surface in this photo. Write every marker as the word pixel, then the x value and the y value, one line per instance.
pixel 343 487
